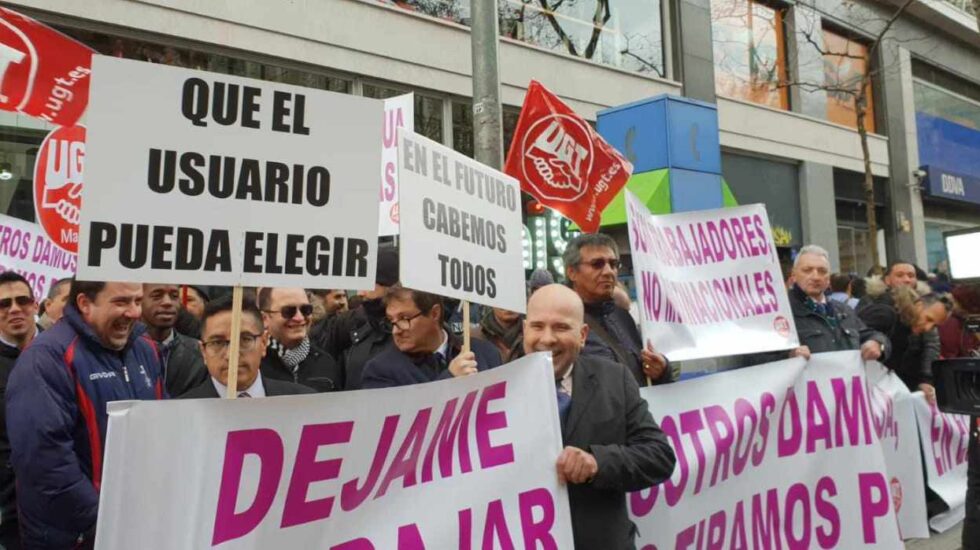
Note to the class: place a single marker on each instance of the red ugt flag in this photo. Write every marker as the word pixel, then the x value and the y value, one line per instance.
pixel 562 162
pixel 43 73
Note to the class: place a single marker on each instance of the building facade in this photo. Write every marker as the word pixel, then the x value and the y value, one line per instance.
pixel 779 72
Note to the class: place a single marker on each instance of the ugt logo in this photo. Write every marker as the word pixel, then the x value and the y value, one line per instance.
pixel 557 158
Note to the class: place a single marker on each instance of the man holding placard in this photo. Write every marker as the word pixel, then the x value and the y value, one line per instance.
pixel 591 265
pixel 424 350
pixel 215 340
pixel 612 444
pixel 58 394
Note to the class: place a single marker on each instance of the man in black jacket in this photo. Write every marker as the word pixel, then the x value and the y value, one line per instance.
pixel 180 355
pixel 215 333
pixel 291 356
pixel 423 351
pixel 357 336
pixel 17 331
pixel 823 324
pixel 612 444
pixel 591 266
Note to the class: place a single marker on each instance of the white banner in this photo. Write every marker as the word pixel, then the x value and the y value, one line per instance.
pixel 450 464
pixel 782 455
pixel 204 178
pixel 461 229
pixel 945 440
pixel 399 113
pixel 25 248
pixel 708 282
pixel 894 417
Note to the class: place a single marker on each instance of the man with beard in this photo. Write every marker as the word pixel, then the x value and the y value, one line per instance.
pixel 56 406
pixel 357 336
pixel 183 365
pixel 611 443
pixel 17 331
pixel 591 267
pixel 292 356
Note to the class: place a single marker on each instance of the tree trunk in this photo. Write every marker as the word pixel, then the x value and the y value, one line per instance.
pixel 860 108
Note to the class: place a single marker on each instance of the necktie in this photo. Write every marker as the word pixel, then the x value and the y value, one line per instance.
pixel 243 394
pixel 564 402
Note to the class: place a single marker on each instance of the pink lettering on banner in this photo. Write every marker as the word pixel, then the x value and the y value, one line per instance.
pixel 851 416
pixel 797 496
pixel 406 460
pixel 451 430
pixel 765 520
pixel 717 418
pixel 817 419
pixel 790 438
pixel 268 447
pixel 949 435
pixel 487 422
pixel 873 491
pixel 538 531
pixel 691 425
pixel 828 534
pixel 307 470
pixel 352 496
pixel 495 533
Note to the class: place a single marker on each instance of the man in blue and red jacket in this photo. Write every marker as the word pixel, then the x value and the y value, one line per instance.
pixel 56 409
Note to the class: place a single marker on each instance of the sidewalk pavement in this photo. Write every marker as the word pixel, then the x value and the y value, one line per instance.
pixel 950 540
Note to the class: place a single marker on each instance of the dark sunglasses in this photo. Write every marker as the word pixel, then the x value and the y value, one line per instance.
pixel 288 312
pixel 599 263
pixel 22 301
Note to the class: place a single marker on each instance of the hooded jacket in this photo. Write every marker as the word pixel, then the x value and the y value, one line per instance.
pixel 911 355
pixel 57 419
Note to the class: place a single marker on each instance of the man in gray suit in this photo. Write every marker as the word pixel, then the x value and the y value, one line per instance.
pixel 612 444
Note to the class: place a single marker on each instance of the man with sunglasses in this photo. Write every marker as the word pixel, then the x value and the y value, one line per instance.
pixel 292 356
pixel 56 403
pixel 424 350
pixel 591 267
pixel 214 345
pixel 17 331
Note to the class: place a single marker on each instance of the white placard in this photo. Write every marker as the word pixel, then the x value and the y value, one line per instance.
pixel 399 113
pixel 781 455
pixel 945 442
pixel 461 226
pixel 25 248
pixel 202 178
pixel 435 465
pixel 708 282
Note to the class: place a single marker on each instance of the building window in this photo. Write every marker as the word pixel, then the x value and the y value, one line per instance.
pixel 463 127
pixel 749 51
pixel 845 63
pixel 626 34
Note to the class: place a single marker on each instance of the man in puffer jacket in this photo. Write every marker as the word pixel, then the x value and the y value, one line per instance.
pixel 56 409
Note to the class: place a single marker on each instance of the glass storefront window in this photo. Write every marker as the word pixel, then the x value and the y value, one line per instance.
pixel 935 101
pixel 463 127
pixel 749 51
pixel 627 34
pixel 845 63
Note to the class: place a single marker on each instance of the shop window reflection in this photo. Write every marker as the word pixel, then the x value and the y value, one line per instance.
pixel 749 52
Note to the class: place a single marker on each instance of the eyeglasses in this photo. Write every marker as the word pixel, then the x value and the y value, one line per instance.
pixel 404 323
pixel 288 312
pixel 246 342
pixel 599 263
pixel 22 301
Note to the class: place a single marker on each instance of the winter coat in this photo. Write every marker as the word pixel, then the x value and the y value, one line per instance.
pixel 57 419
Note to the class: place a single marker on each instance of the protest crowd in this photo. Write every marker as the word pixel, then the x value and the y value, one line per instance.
pixel 432 318
pixel 64 356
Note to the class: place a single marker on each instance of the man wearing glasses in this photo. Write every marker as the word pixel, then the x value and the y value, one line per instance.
pixel 424 350
pixel 215 341
pixel 591 267
pixel 17 330
pixel 291 356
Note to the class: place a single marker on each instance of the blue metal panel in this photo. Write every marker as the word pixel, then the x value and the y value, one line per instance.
pixel 639 132
pixel 693 136
pixel 947 145
pixel 691 190
pixel 945 184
